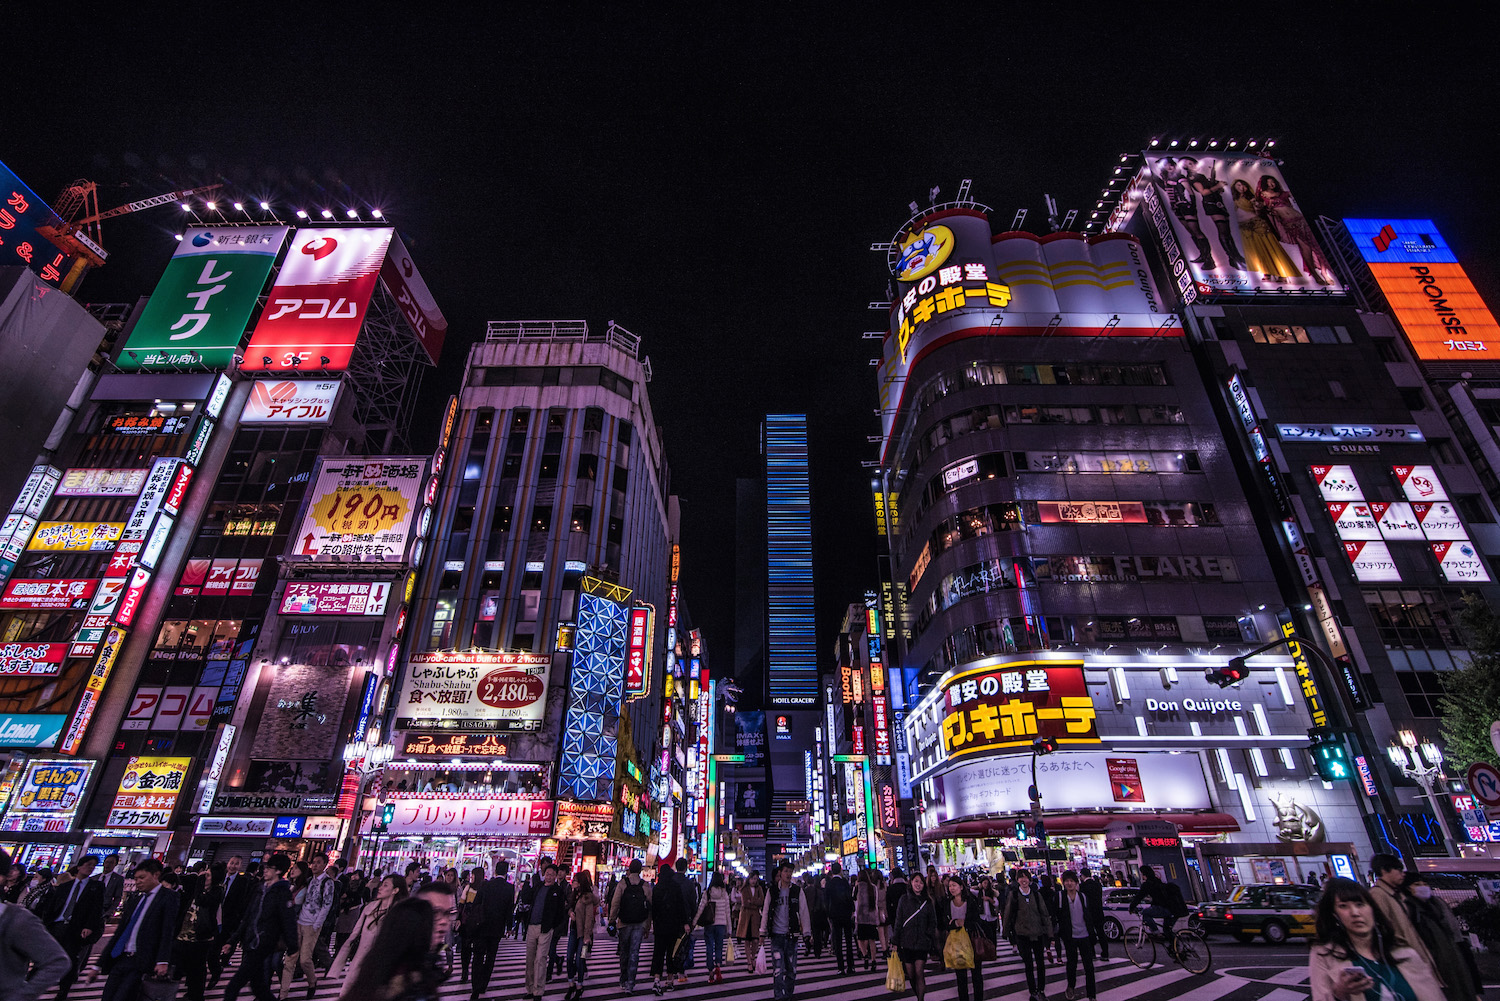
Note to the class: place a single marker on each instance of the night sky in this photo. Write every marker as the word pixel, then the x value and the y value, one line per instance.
pixel 714 186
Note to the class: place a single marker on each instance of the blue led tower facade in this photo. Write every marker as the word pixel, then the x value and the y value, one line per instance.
pixel 595 692
pixel 791 664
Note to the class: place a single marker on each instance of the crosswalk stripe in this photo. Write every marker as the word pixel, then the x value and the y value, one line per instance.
pixel 818 979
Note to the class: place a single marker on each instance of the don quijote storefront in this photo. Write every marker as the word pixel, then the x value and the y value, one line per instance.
pixel 1154 764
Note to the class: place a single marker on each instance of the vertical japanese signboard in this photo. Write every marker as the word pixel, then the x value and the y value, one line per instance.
pixel 638 653
pixel 148 792
pixel 198 312
pixel 1303 667
pixel 313 315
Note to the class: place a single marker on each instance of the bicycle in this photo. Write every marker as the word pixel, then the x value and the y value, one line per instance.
pixel 1187 946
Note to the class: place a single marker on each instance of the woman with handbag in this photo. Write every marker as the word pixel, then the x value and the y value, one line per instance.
pixel 352 953
pixel 1028 925
pixel 916 934
pixel 752 902
pixel 581 933
pixel 959 916
pixel 198 932
pixel 713 918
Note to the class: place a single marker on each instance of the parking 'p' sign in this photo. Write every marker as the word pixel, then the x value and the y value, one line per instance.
pixel 1484 783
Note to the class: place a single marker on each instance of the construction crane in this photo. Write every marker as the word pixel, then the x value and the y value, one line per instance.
pixel 78 233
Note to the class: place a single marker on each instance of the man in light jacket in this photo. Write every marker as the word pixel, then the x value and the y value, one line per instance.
pixel 316 905
pixel 784 920
pixel 1387 892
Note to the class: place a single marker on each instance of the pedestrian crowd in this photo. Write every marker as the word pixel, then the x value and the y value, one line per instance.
pixel 397 936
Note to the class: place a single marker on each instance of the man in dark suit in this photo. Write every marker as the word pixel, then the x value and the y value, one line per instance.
pixel 496 908
pixel 269 925
pixel 74 914
pixel 143 942
pixel 239 890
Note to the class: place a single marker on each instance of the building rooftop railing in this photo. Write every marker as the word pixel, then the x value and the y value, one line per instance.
pixel 500 331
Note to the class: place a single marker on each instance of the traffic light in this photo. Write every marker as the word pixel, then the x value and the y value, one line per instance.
pixel 1020 830
pixel 1230 674
pixel 1043 745
pixel 387 814
pixel 1329 755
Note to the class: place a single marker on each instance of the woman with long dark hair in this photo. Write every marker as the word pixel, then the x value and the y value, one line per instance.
pixel 1356 958
pixel 584 910
pixel 198 932
pixel 402 963
pixel 916 932
pixel 391 891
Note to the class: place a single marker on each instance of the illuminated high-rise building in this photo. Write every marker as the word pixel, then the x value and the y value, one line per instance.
pixel 791 656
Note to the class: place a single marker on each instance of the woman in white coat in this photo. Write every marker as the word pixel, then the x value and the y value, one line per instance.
pixel 391 889
pixel 1356 958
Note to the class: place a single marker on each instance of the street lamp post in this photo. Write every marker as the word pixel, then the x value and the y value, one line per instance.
pixel 1422 761
pixel 368 758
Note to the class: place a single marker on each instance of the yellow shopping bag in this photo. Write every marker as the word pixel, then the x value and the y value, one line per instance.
pixel 958 953
pixel 895 974
pixel 731 952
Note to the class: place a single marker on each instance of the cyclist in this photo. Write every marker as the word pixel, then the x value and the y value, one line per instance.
pixel 1166 903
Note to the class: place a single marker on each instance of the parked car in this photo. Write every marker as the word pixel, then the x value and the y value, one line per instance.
pixel 1273 912
pixel 1117 916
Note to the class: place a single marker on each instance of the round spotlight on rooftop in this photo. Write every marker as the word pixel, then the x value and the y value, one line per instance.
pixel 1172 143
pixel 1192 142
pixel 239 206
pixel 178 237
pixel 326 214
pixel 301 213
pixel 1270 143
pixel 186 207
pixel 265 206
pixel 377 213
pixel 352 213
pixel 1155 143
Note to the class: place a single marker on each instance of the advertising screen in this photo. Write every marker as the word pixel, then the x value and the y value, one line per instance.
pixel 32 659
pixel 30 729
pixel 313 314
pixel 197 314
pixel 404 282
pixel 1420 483
pixel 333 598
pixel 1071 780
pixel 1371 561
pixel 954 278
pixel 473 691
pixel 76 536
pixel 47 796
pixel 1009 706
pixel 1239 228
pixel 47 595
pixel 148 792
pixel 23 215
pixel 362 508
pixel 291 401
pixel 1444 317
pixel 101 483
pixel 497 817
pixel 1459 562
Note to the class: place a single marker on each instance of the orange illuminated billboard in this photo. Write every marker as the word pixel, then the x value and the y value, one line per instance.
pixel 1440 310
pixel 1442 313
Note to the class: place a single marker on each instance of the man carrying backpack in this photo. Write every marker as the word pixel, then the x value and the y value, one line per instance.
pixel 629 910
pixel 1166 903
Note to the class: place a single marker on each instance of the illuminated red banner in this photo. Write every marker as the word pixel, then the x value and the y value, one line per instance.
pixel 635 657
pixel 882 731
pixel 131 603
pixel 49 593
pixel 314 312
pixel 406 286
pixel 497 817
pixel 32 659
